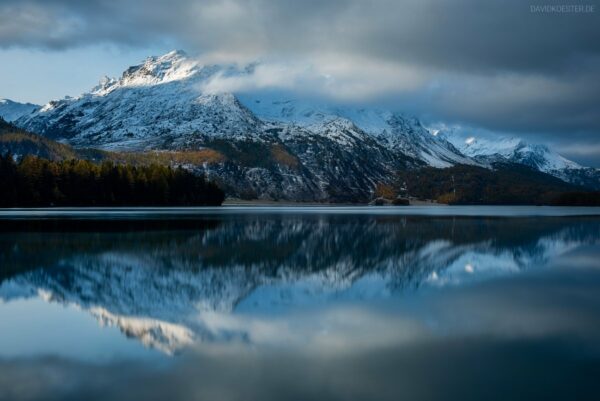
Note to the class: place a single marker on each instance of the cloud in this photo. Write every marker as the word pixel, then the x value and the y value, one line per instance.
pixel 264 76
pixel 341 79
pixel 522 102
pixel 585 152
pixel 339 354
pixel 464 35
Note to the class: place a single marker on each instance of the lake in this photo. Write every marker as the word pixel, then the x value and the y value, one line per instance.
pixel 300 303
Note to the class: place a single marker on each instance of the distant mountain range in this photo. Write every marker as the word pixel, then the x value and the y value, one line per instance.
pixel 260 146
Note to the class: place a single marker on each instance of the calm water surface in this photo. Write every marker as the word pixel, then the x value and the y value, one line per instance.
pixel 324 303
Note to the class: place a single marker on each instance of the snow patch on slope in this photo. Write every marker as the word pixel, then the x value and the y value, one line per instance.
pixel 395 131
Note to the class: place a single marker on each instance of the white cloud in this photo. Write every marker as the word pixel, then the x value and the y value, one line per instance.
pixel 264 76
pixel 337 77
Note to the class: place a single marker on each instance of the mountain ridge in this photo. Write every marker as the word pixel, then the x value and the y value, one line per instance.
pixel 273 148
pixel 11 111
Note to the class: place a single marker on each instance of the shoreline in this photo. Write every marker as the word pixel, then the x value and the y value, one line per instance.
pixel 264 202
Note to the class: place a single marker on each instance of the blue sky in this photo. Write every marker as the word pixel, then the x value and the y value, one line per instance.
pixel 40 75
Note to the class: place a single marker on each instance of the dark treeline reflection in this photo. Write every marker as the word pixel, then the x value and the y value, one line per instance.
pixel 272 243
pixel 143 270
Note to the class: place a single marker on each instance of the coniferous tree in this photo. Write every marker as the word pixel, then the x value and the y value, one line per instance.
pixel 38 182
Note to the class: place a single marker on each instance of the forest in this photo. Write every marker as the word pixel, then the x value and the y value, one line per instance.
pixel 35 182
pixel 506 184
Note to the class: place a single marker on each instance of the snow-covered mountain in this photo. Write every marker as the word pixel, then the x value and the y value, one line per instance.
pixel 162 98
pixel 266 152
pixel 154 105
pixel 516 150
pixel 11 110
pixel 273 147
pixel 401 133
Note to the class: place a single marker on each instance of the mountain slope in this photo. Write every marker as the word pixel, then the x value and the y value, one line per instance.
pixel 504 184
pixel 19 142
pixel 538 157
pixel 404 135
pixel 11 110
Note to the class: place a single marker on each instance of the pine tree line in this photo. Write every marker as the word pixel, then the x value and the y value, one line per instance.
pixel 36 182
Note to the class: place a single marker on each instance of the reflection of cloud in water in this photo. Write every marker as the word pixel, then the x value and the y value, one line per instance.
pixel 171 288
pixel 532 336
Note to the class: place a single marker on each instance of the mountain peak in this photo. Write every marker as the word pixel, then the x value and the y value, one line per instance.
pixel 513 149
pixel 172 66
pixel 177 53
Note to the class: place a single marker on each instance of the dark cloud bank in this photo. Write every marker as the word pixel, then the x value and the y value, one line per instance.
pixel 500 64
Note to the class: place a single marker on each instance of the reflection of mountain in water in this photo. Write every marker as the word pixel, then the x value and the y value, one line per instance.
pixel 159 285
